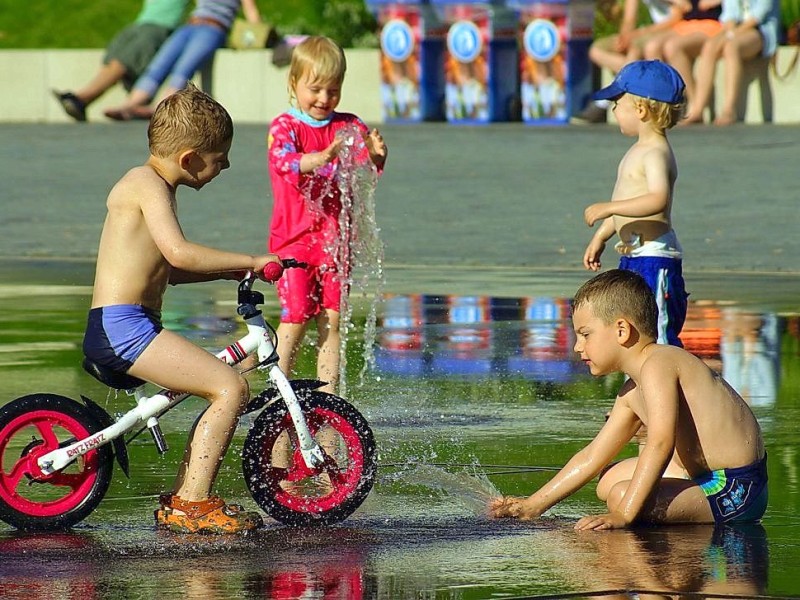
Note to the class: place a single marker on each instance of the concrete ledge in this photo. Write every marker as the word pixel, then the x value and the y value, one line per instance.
pixel 245 82
pixel 254 90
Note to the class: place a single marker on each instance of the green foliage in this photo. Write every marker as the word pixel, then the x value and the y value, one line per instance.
pixel 790 12
pixel 81 24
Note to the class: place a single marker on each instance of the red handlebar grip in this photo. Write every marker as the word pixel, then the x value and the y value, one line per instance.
pixel 273 271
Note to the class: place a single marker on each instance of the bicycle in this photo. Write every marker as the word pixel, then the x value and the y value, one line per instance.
pixel 57 454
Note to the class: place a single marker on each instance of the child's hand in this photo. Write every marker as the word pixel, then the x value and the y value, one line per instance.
pixel 376 147
pixel 591 257
pixel 314 160
pixel 261 261
pixel 595 212
pixel 510 506
pixel 331 152
pixel 601 522
pixel 705 4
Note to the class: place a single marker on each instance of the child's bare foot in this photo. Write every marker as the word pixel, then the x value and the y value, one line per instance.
pixel 691 120
pixel 725 119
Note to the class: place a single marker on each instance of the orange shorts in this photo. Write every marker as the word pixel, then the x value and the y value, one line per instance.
pixel 708 27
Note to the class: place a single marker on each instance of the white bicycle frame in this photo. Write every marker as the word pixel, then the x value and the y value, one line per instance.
pixel 148 407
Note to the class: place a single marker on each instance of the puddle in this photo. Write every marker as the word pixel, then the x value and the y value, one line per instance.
pixel 470 396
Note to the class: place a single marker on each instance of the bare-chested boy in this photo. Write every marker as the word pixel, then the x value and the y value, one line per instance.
pixel 142 250
pixel 696 424
pixel 648 99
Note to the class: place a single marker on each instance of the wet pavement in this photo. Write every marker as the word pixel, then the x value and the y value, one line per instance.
pixel 475 388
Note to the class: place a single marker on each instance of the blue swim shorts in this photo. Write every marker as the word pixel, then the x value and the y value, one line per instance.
pixel 665 278
pixel 737 495
pixel 117 335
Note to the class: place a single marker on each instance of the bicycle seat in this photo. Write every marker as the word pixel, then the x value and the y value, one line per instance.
pixel 113 379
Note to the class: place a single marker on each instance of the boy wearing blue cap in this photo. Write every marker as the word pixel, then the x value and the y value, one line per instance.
pixel 648 98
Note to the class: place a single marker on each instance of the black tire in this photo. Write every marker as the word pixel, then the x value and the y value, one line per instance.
pixel 31 500
pixel 293 494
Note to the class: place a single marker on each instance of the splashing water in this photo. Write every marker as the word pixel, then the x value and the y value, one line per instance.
pixel 358 252
pixel 470 488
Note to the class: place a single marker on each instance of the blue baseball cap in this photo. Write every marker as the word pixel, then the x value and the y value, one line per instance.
pixel 646 78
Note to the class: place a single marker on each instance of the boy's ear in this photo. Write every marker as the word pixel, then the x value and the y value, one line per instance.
pixel 624 331
pixel 188 161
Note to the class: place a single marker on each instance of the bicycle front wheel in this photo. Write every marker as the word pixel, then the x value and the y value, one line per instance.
pixel 278 478
pixel 30 427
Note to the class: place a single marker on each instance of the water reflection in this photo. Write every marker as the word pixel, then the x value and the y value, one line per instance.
pixel 679 562
pixel 532 338
pixel 420 534
pixel 430 335
pixel 198 568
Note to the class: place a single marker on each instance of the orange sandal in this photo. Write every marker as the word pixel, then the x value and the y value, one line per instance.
pixel 206 516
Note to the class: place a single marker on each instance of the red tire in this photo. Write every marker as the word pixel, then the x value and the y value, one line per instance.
pixel 278 478
pixel 30 427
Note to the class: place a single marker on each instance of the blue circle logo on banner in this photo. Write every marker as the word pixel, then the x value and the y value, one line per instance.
pixel 464 41
pixel 397 40
pixel 541 40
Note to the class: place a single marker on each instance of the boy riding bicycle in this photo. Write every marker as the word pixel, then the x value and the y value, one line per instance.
pixel 142 250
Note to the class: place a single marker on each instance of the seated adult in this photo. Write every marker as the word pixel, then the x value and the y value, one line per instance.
pixel 127 55
pixel 186 50
pixel 631 43
pixel 749 29
pixel 682 47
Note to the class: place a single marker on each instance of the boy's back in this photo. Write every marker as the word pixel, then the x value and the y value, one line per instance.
pixel 130 267
pixel 714 427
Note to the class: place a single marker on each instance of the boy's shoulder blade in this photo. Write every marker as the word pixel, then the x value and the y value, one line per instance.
pixel 141 179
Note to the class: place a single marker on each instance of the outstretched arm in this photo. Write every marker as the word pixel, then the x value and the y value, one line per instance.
pixel 581 468
pixel 659 390
pixel 576 473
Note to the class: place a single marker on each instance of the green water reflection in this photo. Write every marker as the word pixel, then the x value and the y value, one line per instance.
pixel 488 386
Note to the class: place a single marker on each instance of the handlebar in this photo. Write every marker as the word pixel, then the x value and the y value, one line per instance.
pixel 272 271
pixel 249 298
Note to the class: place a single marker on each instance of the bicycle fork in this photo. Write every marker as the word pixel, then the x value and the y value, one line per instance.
pixel 259 339
pixel 309 449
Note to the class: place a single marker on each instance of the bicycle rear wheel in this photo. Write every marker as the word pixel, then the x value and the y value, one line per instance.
pixel 30 427
pixel 278 478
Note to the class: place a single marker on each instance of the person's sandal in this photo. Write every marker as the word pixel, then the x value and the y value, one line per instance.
pixel 206 516
pixel 72 105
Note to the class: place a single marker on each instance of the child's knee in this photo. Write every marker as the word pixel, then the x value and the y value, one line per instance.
pixel 244 390
pixel 234 389
pixel 616 494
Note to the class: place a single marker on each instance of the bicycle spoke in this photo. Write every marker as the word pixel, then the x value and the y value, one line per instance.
pixel 49 437
pixel 17 472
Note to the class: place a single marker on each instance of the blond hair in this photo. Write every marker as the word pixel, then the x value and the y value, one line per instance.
pixel 188 120
pixel 663 114
pixel 619 293
pixel 318 57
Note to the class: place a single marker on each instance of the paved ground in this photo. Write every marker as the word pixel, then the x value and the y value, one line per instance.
pixel 455 202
